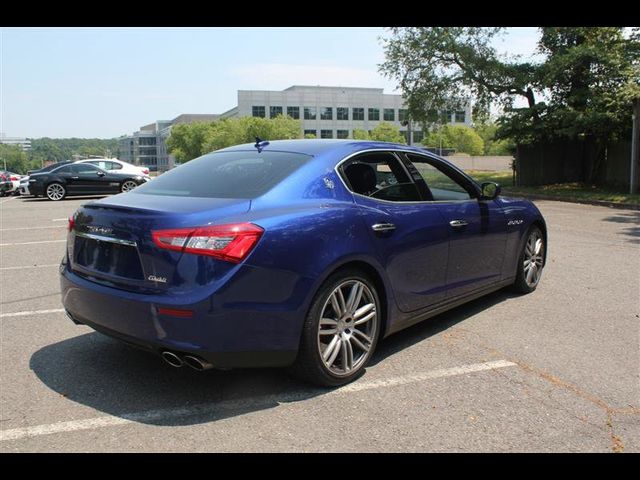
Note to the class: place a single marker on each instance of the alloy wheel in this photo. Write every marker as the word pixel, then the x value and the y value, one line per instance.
pixel 55 191
pixel 347 327
pixel 128 186
pixel 533 258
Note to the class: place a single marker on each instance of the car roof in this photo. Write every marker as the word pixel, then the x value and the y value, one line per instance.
pixel 319 146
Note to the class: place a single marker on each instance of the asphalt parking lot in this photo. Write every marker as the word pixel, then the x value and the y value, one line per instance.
pixel 557 370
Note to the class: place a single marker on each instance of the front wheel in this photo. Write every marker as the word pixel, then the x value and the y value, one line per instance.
pixel 128 185
pixel 530 262
pixel 56 191
pixel 340 332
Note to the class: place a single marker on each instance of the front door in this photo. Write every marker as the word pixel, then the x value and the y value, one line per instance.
pixel 477 228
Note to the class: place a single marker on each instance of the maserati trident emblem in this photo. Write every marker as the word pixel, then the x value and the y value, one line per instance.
pixel 153 278
pixel 96 229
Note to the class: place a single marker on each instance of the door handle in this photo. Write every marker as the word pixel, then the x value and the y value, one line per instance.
pixel 458 223
pixel 383 227
pixel 75 178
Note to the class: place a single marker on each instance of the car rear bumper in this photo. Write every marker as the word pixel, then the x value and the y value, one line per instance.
pixel 231 338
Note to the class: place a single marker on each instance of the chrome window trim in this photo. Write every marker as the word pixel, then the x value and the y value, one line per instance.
pixel 428 202
pixel 102 238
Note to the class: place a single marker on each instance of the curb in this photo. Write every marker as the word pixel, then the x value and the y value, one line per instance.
pixel 600 203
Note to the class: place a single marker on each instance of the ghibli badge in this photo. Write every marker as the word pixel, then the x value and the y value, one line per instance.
pixel 95 229
pixel 153 278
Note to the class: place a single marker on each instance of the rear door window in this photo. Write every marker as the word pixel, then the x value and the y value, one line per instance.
pixel 226 175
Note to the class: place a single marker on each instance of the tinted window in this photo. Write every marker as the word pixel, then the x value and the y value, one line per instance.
pixel 381 176
pixel 84 168
pixel 67 169
pixel 226 175
pixel 441 184
pixel 114 166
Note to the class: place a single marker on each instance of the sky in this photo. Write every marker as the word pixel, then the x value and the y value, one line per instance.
pixel 107 82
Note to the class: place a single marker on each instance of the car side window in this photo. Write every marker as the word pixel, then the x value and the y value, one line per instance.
pixel 113 166
pixel 441 184
pixel 379 175
pixel 66 169
pixel 85 168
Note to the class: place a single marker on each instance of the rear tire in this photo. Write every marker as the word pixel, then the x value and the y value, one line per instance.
pixel 530 262
pixel 56 192
pixel 127 186
pixel 336 351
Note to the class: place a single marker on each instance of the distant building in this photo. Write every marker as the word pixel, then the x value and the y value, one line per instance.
pixel 326 112
pixel 147 146
pixel 23 143
pixel 334 112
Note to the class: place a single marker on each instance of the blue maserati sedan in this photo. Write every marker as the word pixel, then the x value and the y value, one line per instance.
pixel 298 253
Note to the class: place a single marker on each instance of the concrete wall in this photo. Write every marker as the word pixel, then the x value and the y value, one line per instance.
pixel 487 163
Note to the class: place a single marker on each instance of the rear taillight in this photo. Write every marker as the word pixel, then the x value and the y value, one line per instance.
pixel 72 223
pixel 145 171
pixel 231 242
pixel 13 179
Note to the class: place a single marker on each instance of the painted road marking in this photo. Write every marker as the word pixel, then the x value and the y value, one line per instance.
pixel 8 200
pixel 59 219
pixel 31 266
pixel 276 400
pixel 31 312
pixel 31 228
pixel 31 243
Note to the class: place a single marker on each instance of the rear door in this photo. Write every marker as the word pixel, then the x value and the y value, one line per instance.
pixel 93 180
pixel 409 235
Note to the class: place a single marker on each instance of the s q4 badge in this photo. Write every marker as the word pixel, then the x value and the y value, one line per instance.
pixel 328 183
pixel 514 222
pixel 153 278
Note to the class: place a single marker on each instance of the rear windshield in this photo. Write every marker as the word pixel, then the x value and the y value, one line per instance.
pixel 226 175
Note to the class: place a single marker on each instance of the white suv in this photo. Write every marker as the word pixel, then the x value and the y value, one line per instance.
pixel 116 166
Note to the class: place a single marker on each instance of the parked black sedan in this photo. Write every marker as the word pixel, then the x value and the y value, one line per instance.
pixel 81 179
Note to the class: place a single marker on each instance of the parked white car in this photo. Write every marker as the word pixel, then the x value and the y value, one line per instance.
pixel 116 166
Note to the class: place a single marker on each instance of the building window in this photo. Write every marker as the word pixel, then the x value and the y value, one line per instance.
pixel 461 116
pixel 389 115
pixel 418 136
pixel 326 133
pixel 358 113
pixel 309 113
pixel 258 111
pixel 342 114
pixel 374 114
pixel 275 111
pixel 445 116
pixel 342 133
pixel 326 113
pixel 403 114
pixel 310 132
pixel 293 112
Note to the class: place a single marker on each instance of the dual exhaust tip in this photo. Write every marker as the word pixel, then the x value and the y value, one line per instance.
pixel 192 361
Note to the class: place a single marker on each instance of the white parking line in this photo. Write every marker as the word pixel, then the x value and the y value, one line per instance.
pixel 59 219
pixel 31 243
pixel 8 200
pixel 31 266
pixel 31 312
pixel 31 228
pixel 208 408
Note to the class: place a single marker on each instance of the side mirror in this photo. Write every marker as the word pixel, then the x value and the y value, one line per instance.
pixel 490 190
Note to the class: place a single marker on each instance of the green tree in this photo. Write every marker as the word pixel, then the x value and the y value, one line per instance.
pixel 463 139
pixel 310 135
pixel 186 141
pixel 359 134
pixel 492 145
pixel 15 158
pixel 587 74
pixel 387 132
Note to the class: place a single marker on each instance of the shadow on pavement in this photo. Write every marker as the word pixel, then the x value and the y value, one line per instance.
pixel 74 197
pixel 628 218
pixel 109 376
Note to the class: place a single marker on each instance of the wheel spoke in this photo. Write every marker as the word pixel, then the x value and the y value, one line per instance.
pixel 329 352
pixel 362 311
pixel 355 295
pixel 347 355
pixel 538 247
pixel 337 302
pixel 362 335
pixel 530 275
pixel 359 344
pixel 365 319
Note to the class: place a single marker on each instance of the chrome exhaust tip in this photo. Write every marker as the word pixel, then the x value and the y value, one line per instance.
pixel 172 359
pixel 197 363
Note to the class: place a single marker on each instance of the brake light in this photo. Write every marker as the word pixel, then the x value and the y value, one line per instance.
pixel 145 171
pixel 14 178
pixel 231 242
pixel 72 223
